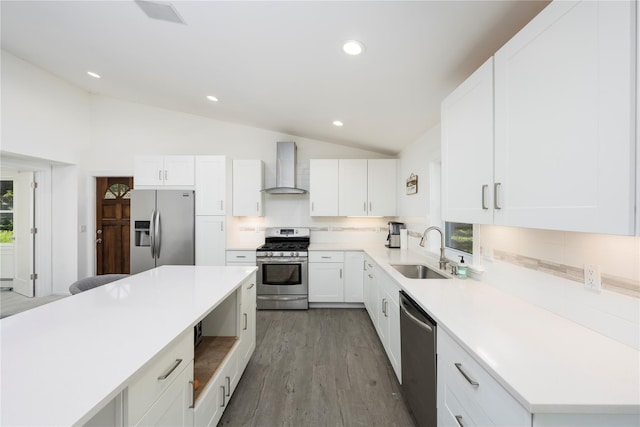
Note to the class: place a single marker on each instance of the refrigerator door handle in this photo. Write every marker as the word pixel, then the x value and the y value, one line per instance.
pixel 152 234
pixel 158 234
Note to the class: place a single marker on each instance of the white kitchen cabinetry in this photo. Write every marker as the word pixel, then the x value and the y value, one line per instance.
pixel 562 152
pixel 173 408
pixel 241 257
pixel 248 183
pixel 228 343
pixel 381 299
pixel 564 121
pixel 467 149
pixel 382 187
pixel 213 182
pixel 367 187
pixel 467 395
pixel 370 289
pixel 389 320
pixel 326 276
pixel 161 391
pixel 210 240
pixel 323 187
pixel 163 171
pixel 354 277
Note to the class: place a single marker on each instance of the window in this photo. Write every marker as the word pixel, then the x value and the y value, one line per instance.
pixel 459 236
pixel 6 211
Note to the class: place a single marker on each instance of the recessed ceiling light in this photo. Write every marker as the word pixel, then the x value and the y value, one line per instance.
pixel 212 98
pixel 338 123
pixel 353 47
pixel 94 75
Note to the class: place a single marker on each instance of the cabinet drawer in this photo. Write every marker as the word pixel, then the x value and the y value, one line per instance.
pixel 457 413
pixel 486 399
pixel 241 256
pixel 326 256
pixel 147 386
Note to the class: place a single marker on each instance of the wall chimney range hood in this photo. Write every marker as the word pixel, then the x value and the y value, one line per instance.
pixel 286 157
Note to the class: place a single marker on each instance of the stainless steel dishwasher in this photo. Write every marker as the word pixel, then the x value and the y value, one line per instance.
pixel 418 353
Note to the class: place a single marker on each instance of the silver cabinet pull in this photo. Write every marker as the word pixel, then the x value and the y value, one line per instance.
pixel 466 376
pixel 241 256
pixel 341 273
pixel 370 206
pixel 325 257
pixel 252 285
pixel 384 305
pixel 221 205
pixel 159 174
pixel 166 175
pixel 193 395
pixel 170 370
pixel 224 397
pixel 246 322
pixel 312 207
pixel 459 420
pixel 485 187
pixel 257 206
pixel 228 386
pixel 386 308
pixel 370 276
pixel 364 206
pixel 496 187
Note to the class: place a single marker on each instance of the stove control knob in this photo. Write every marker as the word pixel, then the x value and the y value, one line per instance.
pixel 281 253
pixel 270 254
pixel 295 254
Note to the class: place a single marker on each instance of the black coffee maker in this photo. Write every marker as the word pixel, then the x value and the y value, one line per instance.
pixel 393 238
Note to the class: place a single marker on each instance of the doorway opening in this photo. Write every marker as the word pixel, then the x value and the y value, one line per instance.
pixel 113 213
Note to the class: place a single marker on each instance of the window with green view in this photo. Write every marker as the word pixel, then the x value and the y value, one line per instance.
pixel 6 211
pixel 459 236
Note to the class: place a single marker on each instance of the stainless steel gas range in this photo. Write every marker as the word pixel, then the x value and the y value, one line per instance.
pixel 283 279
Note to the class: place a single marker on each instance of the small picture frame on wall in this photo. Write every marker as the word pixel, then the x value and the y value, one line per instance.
pixel 412 184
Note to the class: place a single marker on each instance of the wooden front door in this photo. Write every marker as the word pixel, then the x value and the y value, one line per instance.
pixel 113 210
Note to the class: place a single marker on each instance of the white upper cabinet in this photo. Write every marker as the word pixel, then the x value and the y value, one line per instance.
pixel 211 185
pixel 565 120
pixel 353 187
pixel 248 182
pixel 467 149
pixel 323 187
pixel 367 187
pixel 382 187
pixel 162 171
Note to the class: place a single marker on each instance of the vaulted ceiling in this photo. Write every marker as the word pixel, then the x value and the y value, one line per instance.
pixel 276 65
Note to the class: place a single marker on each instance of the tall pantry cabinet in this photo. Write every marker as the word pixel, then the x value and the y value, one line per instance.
pixel 563 153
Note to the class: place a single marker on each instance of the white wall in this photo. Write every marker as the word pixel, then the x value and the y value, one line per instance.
pixel 46 118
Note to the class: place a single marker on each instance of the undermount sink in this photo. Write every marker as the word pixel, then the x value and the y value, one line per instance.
pixel 417 271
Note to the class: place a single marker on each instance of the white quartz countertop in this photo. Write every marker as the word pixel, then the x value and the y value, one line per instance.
pixel 548 363
pixel 63 361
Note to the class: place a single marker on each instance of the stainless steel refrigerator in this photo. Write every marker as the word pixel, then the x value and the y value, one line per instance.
pixel 162 228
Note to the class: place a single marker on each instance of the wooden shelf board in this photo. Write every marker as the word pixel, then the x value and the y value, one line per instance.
pixel 208 357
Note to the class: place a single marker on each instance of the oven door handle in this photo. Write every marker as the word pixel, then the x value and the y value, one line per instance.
pixel 282 261
pixel 281 298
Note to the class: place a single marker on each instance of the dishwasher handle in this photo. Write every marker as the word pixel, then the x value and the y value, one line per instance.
pixel 414 319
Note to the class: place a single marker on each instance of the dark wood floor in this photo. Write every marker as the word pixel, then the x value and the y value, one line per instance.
pixel 321 367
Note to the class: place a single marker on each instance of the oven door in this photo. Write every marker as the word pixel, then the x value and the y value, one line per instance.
pixel 282 276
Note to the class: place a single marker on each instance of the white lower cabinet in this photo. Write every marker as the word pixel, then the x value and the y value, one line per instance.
pixel 326 277
pixel 173 407
pixel 468 395
pixel 155 382
pixel 353 277
pixel 382 301
pixel 241 257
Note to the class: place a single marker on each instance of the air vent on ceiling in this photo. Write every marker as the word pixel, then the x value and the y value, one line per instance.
pixel 160 10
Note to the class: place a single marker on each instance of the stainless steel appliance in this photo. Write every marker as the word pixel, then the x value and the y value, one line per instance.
pixel 393 237
pixel 162 228
pixel 283 279
pixel 418 355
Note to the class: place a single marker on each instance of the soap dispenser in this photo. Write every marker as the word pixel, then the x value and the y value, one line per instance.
pixel 462 269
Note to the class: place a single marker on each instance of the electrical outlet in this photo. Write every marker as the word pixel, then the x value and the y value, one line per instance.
pixel 592 280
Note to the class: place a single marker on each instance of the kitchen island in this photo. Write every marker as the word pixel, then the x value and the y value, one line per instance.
pixel 64 362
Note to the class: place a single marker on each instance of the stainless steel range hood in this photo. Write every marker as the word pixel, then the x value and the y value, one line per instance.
pixel 285 170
